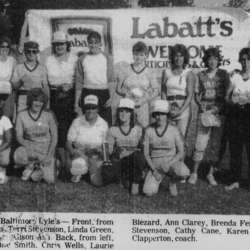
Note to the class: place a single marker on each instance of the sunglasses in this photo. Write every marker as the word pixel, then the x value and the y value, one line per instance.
pixel 4 47
pixel 31 51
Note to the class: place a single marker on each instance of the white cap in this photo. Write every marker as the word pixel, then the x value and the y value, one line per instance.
pixel 79 166
pixel 59 37
pixel 161 106
pixel 126 103
pixel 208 119
pixel 91 100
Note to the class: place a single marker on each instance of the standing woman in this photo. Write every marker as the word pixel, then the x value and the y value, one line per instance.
pixel 7 65
pixel 178 87
pixel 124 143
pixel 61 74
pixel 237 98
pixel 137 82
pixel 28 75
pixel 210 91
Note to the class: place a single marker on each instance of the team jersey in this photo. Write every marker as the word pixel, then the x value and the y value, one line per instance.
pixel 126 142
pixel 37 131
pixel 144 80
pixel 176 85
pixel 162 146
pixel 6 69
pixel 85 135
pixel 60 72
pixel 37 77
pixel 212 88
pixel 5 125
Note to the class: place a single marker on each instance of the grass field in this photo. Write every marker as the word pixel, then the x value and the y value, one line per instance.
pixel 19 196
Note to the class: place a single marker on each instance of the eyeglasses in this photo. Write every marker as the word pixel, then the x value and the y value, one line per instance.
pixel 4 47
pixel 31 51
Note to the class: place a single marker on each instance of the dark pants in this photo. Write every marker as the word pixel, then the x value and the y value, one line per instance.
pixel 128 170
pixel 239 120
pixel 63 107
pixel 103 96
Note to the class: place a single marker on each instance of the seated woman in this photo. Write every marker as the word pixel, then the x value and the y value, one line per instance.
pixel 36 132
pixel 124 138
pixel 163 150
pixel 85 140
pixel 5 141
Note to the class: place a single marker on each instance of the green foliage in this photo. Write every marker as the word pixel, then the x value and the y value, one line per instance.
pixel 243 4
pixel 166 3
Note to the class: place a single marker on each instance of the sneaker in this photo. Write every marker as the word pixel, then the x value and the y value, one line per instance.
pixel 211 180
pixel 76 178
pixel 234 185
pixel 192 179
pixel 173 189
pixel 135 189
pixel 27 172
pixel 183 181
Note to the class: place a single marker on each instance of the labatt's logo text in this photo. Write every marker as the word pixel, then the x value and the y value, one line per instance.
pixel 200 28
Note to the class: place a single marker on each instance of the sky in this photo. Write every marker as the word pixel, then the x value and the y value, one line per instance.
pixel 210 3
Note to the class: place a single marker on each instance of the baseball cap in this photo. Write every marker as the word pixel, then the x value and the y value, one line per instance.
pixel 79 166
pixel 59 37
pixel 126 103
pixel 91 101
pixel 161 106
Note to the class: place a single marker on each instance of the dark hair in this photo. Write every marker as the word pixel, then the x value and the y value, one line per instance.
pixel 140 47
pixel 132 117
pixel 36 94
pixel 179 48
pixel 31 45
pixel 5 39
pixel 244 51
pixel 95 35
pixel 67 49
pixel 212 52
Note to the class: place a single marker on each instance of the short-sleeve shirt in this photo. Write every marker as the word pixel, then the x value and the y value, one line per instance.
pixel 162 146
pixel 6 69
pixel 37 131
pixel 60 72
pixel 5 125
pixel 126 142
pixel 37 77
pixel 144 80
pixel 88 136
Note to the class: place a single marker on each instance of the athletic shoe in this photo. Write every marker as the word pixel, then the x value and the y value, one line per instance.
pixel 173 189
pixel 192 179
pixel 76 178
pixel 211 180
pixel 135 189
pixel 27 172
pixel 234 185
pixel 183 181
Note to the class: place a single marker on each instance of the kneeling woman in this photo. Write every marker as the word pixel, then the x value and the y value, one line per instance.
pixel 124 140
pixel 36 132
pixel 163 150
